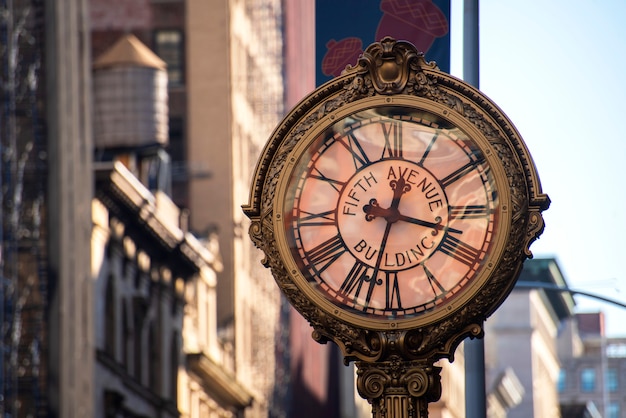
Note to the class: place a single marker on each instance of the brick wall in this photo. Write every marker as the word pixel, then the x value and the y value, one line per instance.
pixel 120 15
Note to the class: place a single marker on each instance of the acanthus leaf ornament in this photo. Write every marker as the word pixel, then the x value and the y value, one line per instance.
pixel 388 65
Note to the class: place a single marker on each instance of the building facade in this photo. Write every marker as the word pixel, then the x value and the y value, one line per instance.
pixel 452 402
pixel 225 95
pixel 156 346
pixel 521 342
pixel 157 349
pixel 320 382
pixel 593 367
pixel 234 100
pixel 46 287
pixel 100 277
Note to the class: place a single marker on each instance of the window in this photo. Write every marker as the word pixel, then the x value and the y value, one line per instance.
pixel 561 383
pixel 126 343
pixel 138 345
pixel 153 354
pixel 176 148
pixel 169 47
pixel 616 350
pixel 155 172
pixel 588 380
pixel 109 317
pixel 174 367
pixel 612 382
pixel 613 410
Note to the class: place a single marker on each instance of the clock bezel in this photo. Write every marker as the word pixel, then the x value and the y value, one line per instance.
pixel 439 312
pixel 389 69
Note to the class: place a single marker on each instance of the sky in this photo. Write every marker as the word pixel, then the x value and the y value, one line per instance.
pixel 557 68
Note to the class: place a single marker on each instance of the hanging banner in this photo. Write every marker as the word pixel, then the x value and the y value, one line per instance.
pixel 344 28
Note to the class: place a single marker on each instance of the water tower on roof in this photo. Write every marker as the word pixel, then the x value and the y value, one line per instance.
pixel 130 96
pixel 131 112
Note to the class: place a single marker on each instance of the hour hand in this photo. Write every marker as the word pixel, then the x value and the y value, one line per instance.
pixel 373 211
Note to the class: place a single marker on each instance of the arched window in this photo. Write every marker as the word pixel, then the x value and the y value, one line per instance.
pixel 109 316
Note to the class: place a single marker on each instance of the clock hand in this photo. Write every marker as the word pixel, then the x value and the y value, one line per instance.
pixel 399 187
pixel 391 215
pixel 373 209
pixel 374 279
pixel 436 226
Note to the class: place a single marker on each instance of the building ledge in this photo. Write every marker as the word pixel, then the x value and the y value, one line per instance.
pixel 218 382
pixel 120 188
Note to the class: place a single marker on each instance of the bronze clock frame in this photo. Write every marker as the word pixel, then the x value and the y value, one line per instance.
pixel 393 72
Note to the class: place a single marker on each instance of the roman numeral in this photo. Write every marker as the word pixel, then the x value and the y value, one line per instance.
pixel 456 175
pixel 459 250
pixel 393 291
pixel 392 132
pixel 436 287
pixel 354 281
pixel 326 253
pixel 335 184
pixel 469 212
pixel 317 219
pixel 359 157
pixel 428 149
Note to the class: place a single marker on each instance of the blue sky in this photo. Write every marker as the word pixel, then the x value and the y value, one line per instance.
pixel 558 70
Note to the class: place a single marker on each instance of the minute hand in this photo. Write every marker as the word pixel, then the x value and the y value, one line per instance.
pixel 437 226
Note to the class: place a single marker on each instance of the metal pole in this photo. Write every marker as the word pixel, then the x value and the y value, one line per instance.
pixel 471 54
pixel 555 288
pixel 475 393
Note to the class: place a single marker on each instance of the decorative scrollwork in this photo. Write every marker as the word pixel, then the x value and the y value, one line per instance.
pixel 417 382
pixel 396 386
pixel 371 383
pixel 389 68
pixel 534 229
pixel 381 61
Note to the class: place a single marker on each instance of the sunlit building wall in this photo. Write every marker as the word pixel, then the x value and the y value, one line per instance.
pixel 521 338
pixel 234 100
pixel 157 351
pixel 452 402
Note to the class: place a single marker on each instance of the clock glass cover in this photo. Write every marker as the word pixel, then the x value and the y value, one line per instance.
pixel 390 212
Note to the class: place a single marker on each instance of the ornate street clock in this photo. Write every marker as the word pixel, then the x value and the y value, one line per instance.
pixel 395 206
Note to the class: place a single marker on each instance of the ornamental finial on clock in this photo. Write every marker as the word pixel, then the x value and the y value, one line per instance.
pixel 390 63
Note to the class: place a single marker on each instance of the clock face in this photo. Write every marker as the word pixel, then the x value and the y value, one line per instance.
pixel 390 212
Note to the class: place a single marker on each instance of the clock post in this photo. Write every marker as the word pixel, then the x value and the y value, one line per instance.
pixel 395 206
